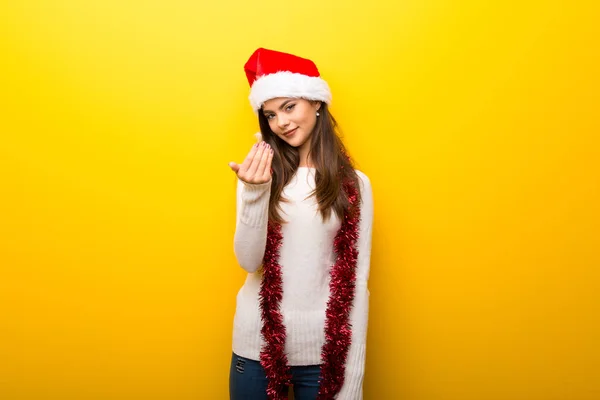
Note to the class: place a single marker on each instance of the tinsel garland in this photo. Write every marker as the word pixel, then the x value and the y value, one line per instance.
pixel 338 332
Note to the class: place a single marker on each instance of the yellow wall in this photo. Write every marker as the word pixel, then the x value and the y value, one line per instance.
pixel 476 121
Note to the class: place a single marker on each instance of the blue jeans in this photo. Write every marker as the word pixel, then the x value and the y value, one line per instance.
pixel 247 380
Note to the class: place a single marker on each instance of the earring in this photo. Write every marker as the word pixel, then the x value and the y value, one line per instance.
pixel 318 114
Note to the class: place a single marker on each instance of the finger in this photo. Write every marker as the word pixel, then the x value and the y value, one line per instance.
pixel 252 170
pixel 256 160
pixel 260 171
pixel 248 160
pixel 267 173
pixel 234 167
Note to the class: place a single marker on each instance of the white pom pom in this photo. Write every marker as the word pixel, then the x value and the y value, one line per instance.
pixel 258 137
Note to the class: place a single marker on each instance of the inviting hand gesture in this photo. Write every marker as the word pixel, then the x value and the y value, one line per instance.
pixel 256 168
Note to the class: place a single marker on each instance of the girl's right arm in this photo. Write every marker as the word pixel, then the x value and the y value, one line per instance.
pixel 250 237
pixel 252 206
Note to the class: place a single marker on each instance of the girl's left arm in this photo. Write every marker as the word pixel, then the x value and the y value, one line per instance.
pixel 359 315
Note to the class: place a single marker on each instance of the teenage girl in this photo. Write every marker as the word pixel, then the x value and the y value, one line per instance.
pixel 303 234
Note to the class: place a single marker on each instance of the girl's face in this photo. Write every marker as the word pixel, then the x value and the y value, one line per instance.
pixel 293 120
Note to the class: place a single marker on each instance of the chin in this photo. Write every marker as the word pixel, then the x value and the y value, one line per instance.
pixel 292 143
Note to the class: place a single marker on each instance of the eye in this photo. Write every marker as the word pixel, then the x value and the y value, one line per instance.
pixel 289 107
pixel 270 116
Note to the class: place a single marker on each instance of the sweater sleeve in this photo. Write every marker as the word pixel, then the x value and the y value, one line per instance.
pixel 252 215
pixel 352 389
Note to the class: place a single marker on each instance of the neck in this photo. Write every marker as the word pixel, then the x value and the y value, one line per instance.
pixel 305 160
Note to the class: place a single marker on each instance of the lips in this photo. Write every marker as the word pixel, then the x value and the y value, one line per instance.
pixel 289 133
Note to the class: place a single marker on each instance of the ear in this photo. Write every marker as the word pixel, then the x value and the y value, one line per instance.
pixel 318 105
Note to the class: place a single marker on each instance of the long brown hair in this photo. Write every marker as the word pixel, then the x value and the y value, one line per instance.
pixel 332 164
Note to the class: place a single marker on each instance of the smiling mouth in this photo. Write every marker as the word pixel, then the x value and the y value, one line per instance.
pixel 288 133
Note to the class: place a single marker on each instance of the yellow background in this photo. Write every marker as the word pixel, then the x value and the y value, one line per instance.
pixel 476 121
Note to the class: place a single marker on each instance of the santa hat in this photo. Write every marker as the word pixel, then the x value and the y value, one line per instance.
pixel 274 74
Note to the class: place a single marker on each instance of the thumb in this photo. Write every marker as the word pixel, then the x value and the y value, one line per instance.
pixel 234 167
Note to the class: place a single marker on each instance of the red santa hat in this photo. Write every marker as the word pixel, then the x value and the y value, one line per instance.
pixel 274 74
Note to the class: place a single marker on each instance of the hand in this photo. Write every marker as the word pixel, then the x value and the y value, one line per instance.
pixel 256 168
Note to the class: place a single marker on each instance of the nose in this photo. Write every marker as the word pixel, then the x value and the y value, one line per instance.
pixel 282 122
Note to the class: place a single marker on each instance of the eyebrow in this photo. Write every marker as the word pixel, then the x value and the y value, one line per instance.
pixel 281 106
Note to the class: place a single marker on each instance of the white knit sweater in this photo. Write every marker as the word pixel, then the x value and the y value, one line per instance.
pixel 306 258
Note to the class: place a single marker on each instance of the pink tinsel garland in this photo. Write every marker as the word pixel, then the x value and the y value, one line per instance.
pixel 338 332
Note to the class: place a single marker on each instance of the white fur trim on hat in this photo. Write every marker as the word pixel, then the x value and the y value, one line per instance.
pixel 288 84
